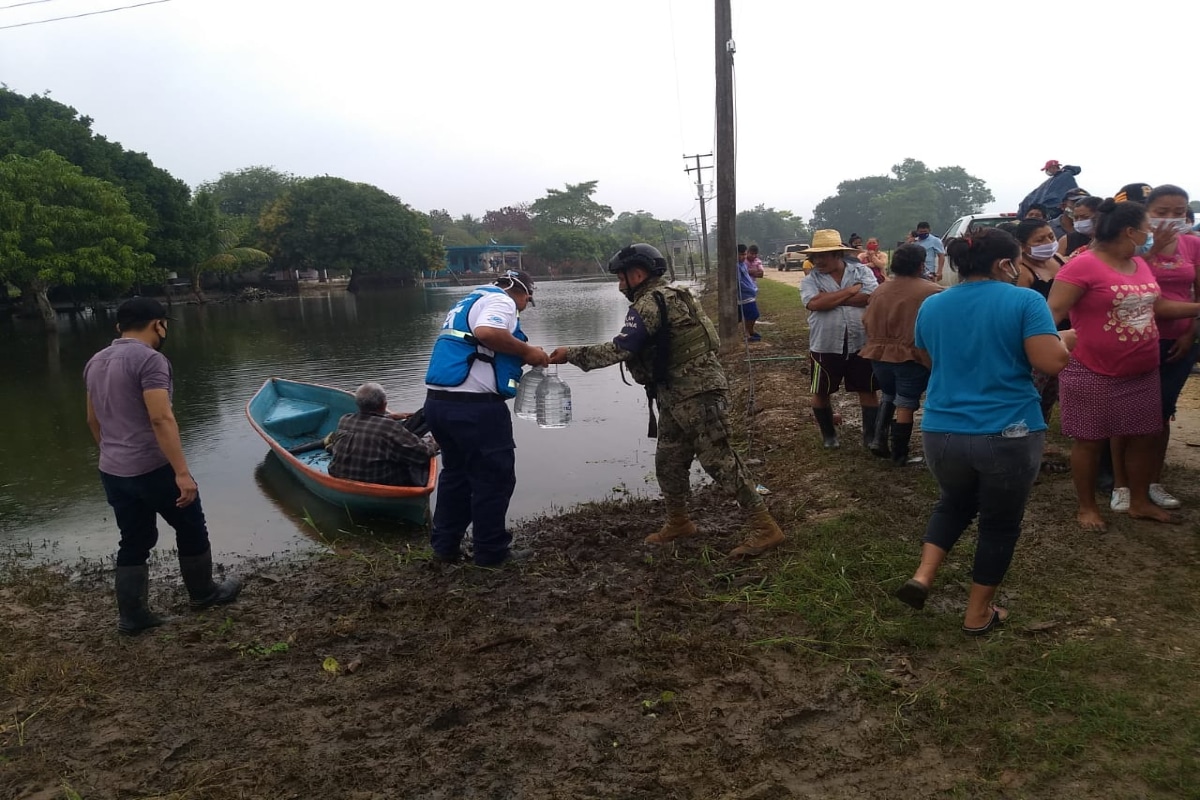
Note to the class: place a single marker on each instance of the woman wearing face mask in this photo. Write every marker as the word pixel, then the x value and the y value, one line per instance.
pixel 1110 389
pixel 1173 259
pixel 983 430
pixel 1039 264
pixel 1084 224
pixel 875 259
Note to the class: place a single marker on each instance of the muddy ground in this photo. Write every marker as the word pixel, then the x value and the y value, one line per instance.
pixel 606 668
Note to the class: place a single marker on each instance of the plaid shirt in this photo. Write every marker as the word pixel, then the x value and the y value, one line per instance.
pixel 374 448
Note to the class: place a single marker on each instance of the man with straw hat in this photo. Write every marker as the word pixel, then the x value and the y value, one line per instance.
pixel 835 294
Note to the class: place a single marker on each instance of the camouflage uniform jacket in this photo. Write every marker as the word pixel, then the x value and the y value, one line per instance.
pixel 691 364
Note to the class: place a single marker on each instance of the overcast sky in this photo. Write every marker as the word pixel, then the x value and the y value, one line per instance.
pixel 471 105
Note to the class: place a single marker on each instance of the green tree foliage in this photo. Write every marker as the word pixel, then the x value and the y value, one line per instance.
pixel 335 224
pixel 59 227
pixel 509 225
pixel 642 226
pixel 888 206
pixel 246 192
pixel 446 229
pixel 572 207
pixel 219 247
pixel 568 250
pixel 29 125
pixel 769 228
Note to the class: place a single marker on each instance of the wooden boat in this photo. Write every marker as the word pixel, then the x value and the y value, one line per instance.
pixel 290 414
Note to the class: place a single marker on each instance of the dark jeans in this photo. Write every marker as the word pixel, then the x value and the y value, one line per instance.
pixel 137 501
pixel 902 384
pixel 1173 375
pixel 478 476
pixel 988 476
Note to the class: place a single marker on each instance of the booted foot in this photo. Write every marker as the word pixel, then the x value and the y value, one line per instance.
pixel 203 591
pixel 998 618
pixel 1090 520
pixel 765 535
pixel 678 526
pixel 133 601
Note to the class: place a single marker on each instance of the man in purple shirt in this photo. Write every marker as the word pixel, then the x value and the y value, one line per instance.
pixel 142 466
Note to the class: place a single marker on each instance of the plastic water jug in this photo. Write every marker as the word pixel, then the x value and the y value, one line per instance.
pixel 553 403
pixel 525 405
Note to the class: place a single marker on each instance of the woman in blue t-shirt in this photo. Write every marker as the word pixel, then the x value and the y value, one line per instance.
pixel 983 429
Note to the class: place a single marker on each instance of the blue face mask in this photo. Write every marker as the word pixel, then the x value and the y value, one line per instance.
pixel 1142 249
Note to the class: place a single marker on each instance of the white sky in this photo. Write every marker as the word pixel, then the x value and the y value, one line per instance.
pixel 470 105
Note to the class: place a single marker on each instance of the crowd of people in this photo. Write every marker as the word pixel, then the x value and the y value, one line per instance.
pixel 1097 316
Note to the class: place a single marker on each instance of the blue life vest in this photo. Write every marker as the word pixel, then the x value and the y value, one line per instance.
pixel 456 349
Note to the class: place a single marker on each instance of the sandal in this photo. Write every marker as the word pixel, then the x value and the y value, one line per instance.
pixel 996 621
pixel 913 593
pixel 1051 467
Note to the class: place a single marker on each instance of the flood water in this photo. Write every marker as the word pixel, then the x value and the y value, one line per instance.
pixel 50 494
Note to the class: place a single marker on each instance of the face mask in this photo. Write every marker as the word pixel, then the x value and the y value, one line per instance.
pixel 1085 226
pixel 1142 249
pixel 162 336
pixel 1180 225
pixel 922 236
pixel 873 246
pixel 1013 272
pixel 1043 251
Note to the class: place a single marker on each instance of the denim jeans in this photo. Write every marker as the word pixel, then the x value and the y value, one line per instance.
pixel 137 501
pixel 902 384
pixel 985 476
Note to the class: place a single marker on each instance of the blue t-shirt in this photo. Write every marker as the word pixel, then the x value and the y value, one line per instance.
pixel 982 381
pixel 933 245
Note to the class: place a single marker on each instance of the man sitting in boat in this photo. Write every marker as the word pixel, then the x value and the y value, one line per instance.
pixel 374 446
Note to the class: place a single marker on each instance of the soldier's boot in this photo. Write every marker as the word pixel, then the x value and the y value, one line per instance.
pixel 901 435
pixel 828 431
pixel 765 534
pixel 678 526
pixel 203 591
pixel 883 425
pixel 133 601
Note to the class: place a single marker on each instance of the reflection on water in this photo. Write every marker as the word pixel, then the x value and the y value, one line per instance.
pixel 221 353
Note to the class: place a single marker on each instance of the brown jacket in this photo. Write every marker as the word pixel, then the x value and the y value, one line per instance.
pixel 890 318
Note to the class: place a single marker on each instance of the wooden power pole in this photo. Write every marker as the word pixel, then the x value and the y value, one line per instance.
pixel 727 275
pixel 700 198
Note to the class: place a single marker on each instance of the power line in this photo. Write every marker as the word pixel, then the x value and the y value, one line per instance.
pixel 77 16
pixel 26 3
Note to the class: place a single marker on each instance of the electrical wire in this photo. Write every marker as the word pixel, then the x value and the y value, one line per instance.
pixel 26 3
pixel 78 16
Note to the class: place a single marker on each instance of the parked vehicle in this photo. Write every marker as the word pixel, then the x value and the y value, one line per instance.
pixel 792 257
pixel 964 225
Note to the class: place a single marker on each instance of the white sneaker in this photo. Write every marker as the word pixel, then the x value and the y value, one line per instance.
pixel 1120 500
pixel 1162 498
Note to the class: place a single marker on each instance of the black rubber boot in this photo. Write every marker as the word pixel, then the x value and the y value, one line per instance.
pixel 883 427
pixel 828 430
pixel 203 591
pixel 870 418
pixel 133 601
pixel 901 436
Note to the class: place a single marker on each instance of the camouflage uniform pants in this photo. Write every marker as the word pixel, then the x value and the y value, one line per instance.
pixel 698 428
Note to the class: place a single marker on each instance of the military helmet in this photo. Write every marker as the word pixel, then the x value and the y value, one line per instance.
pixel 638 255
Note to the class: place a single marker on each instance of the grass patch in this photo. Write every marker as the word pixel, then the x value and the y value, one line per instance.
pixel 1075 691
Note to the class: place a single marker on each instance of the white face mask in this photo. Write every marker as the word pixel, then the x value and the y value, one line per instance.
pixel 1180 225
pixel 1013 271
pixel 1085 226
pixel 1043 251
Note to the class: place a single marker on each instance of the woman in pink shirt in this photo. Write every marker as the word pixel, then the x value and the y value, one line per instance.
pixel 1110 388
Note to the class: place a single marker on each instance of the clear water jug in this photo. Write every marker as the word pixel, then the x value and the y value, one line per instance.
pixel 525 405
pixel 553 403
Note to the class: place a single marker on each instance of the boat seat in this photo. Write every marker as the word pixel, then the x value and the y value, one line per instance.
pixel 295 418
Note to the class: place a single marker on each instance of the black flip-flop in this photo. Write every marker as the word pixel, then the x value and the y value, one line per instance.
pixel 992 624
pixel 913 593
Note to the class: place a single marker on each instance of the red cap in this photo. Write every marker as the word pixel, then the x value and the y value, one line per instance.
pixel 1051 163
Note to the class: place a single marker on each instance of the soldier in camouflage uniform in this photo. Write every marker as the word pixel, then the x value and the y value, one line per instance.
pixel 677 363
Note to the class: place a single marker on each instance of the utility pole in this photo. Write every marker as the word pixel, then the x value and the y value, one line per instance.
pixel 700 196
pixel 727 276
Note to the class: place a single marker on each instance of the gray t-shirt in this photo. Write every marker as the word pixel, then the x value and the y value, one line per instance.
pixel 116 377
pixel 839 329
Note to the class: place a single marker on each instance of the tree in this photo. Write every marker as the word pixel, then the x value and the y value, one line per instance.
pixel 508 219
pixel 770 229
pixel 571 250
pixel 332 223
pixel 29 125
pixel 572 207
pixel 59 227
pixel 247 191
pixel 446 229
pixel 888 206
pixel 218 245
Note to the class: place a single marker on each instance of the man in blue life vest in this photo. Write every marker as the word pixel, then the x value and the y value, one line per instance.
pixel 475 366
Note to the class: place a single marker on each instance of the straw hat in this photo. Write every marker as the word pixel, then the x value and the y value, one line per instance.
pixel 827 241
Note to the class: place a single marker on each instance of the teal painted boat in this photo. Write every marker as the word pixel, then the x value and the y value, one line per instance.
pixel 292 414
